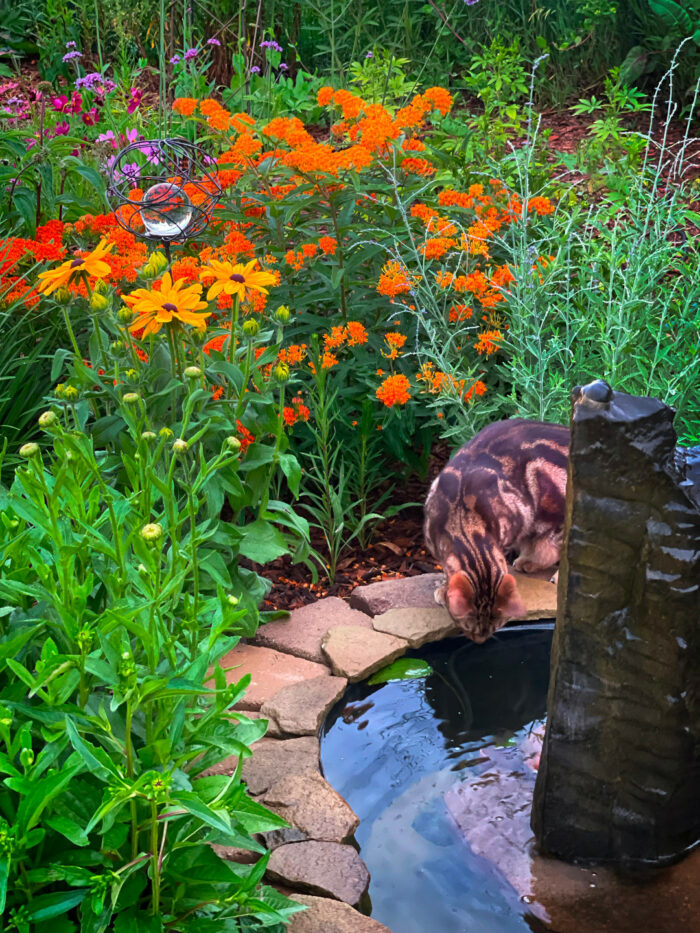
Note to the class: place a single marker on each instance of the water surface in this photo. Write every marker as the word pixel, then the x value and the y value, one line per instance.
pixel 394 751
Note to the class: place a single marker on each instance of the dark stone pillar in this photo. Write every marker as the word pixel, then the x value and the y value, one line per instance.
pixel 619 779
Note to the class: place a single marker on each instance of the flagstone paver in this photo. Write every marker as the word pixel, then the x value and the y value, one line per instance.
pixel 356 653
pixel 327 916
pixel 274 759
pixel 309 804
pixel 301 634
pixel 300 708
pixel 326 868
pixel 417 626
pixel 269 670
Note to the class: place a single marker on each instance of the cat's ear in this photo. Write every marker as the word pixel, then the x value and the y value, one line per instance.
pixel 508 602
pixel 460 595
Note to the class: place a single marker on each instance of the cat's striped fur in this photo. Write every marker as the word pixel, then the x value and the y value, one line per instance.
pixel 503 492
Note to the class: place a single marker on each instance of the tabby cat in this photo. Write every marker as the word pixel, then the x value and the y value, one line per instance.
pixel 502 492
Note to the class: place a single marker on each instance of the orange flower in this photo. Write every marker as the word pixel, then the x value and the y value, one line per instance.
pixel 357 333
pixel 174 302
pixel 540 206
pixel 395 342
pixel 185 106
pixel 324 96
pixel 93 264
pixel 488 342
pixel 328 245
pixel 394 391
pixel 328 360
pixel 236 279
pixel 478 388
pixel 394 280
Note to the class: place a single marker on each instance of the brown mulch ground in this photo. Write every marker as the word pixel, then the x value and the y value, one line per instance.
pixel 397 549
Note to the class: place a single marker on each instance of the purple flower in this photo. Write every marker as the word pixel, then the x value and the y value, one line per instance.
pixel 190 54
pixel 369 55
pixel 213 41
pixel 255 70
pixel 69 56
pixel 175 60
pixel 71 45
pixel 284 67
pixel 131 170
pixel 271 44
pixel 470 2
pixel 62 129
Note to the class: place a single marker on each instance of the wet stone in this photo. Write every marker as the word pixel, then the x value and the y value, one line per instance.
pixel 327 916
pixel 270 671
pixel 417 626
pixel 325 868
pixel 301 634
pixel 310 805
pixel 356 653
pixel 274 759
pixel 299 709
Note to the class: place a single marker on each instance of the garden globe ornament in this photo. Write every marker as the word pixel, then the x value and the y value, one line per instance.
pixel 162 189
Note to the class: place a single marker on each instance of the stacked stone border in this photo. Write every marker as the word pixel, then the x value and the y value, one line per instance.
pixel 300 667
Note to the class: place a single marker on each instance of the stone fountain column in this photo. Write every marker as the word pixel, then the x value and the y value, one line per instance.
pixel 619 779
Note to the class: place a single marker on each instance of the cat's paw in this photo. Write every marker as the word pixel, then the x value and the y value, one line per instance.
pixel 555 578
pixel 440 595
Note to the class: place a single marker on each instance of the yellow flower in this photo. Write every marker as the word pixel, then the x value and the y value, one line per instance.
pixel 174 301
pixel 93 264
pixel 234 280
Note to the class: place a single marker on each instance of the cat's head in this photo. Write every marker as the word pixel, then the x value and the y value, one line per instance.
pixel 479 615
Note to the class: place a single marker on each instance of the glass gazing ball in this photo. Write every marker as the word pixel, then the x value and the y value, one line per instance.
pixel 166 210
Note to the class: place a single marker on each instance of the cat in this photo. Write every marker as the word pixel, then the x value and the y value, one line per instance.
pixel 503 491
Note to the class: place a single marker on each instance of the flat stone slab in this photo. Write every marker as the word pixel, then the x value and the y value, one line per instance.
pixel 274 759
pixel 273 730
pixel 417 626
pixel 538 594
pixel 356 653
pixel 300 708
pixel 327 916
pixel 234 854
pixel 309 804
pixel 326 868
pixel 269 670
pixel 401 593
pixel 302 633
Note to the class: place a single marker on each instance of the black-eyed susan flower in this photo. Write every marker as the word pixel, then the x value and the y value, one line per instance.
pixel 92 264
pixel 175 301
pixel 236 279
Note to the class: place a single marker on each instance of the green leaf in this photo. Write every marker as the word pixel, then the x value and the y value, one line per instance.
pixel 137 921
pixel 402 669
pixel 672 14
pixel 68 828
pixel 262 542
pixel 53 905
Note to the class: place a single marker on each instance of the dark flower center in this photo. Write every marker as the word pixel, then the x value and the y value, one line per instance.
pixel 237 277
pixel 76 263
pixel 168 306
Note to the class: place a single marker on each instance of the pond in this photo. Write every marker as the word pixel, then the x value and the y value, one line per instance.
pixel 401 753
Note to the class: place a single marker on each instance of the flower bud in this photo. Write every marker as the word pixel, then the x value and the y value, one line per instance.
pixel 232 600
pixel 131 398
pixel 250 327
pixel 165 432
pixel 125 315
pixel 29 450
pixel 148 436
pixel 283 314
pixel 149 271
pixel 130 373
pixel 233 443
pixel 99 302
pixel 116 346
pixel 47 420
pixel 142 569
pixel 281 372
pixel 26 757
pixel 70 393
pixel 192 372
pixel 63 296
pixel 159 261
pixel 180 446
pixel 152 532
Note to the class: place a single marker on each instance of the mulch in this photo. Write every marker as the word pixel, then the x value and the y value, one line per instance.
pixel 397 549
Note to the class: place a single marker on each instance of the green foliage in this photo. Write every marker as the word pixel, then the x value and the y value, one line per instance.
pixel 118 610
pixel 381 78
pixel 403 669
pixel 498 76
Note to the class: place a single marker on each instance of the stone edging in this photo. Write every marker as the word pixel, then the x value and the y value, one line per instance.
pixel 300 667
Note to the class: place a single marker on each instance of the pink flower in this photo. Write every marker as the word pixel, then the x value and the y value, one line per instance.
pixel 91 116
pixel 135 102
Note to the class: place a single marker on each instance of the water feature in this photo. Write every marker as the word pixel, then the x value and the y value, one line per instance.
pixel 399 753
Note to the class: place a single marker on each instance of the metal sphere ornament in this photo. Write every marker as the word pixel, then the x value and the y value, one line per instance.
pixel 162 189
